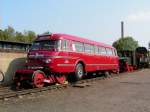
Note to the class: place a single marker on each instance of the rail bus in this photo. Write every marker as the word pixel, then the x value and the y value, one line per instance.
pixel 52 57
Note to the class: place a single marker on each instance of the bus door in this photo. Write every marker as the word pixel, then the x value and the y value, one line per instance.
pixel 76 51
pixel 66 56
pixel 73 52
pixel 103 58
pixel 62 56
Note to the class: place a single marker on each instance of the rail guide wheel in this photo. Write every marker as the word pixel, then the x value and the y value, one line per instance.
pixel 61 79
pixel 38 79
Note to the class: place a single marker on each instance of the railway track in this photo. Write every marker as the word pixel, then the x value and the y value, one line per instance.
pixel 7 93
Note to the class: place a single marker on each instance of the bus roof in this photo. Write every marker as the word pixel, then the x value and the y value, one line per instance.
pixel 75 38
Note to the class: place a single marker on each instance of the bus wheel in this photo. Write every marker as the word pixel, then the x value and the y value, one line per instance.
pixel 61 79
pixel 38 79
pixel 79 71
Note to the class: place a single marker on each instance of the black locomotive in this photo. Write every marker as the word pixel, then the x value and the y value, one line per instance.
pixel 130 60
pixel 142 57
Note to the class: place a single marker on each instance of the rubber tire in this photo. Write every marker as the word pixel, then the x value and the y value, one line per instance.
pixel 79 69
pixel 2 77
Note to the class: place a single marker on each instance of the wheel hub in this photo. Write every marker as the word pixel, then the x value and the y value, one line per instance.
pixel 38 79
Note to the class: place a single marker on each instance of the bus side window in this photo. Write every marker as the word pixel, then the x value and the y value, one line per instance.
pixel 96 50
pixel 109 51
pixel 65 45
pixel 113 52
pixel 92 49
pixel 78 46
pixel 73 47
pixel 102 51
pixel 89 48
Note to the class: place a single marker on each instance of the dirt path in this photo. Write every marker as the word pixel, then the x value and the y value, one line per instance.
pixel 128 93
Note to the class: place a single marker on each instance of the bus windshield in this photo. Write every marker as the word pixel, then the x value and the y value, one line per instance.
pixel 45 45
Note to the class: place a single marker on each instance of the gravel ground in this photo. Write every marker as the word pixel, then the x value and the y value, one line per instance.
pixel 127 93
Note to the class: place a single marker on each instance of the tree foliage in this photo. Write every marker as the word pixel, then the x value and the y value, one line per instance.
pixel 9 34
pixel 125 44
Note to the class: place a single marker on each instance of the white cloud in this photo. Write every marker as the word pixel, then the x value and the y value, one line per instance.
pixel 142 16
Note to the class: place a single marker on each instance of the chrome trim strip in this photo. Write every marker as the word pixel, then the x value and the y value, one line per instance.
pixel 68 57
pixel 35 67
pixel 100 64
pixel 86 64
pixel 65 64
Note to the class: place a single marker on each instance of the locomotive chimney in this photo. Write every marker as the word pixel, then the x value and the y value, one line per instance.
pixel 122 29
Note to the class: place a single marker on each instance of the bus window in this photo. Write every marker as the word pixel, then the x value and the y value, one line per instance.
pixel 65 45
pixel 102 51
pixel 73 47
pixel 44 45
pixel 89 48
pixel 109 51
pixel 77 46
pixel 115 52
pixel 92 49
pixel 96 50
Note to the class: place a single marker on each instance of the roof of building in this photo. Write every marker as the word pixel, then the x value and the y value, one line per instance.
pixel 13 42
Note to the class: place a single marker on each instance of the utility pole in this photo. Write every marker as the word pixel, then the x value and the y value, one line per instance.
pixel 122 29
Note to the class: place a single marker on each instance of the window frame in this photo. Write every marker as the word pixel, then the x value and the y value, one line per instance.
pixel 77 45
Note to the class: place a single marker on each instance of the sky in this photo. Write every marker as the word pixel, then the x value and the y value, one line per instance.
pixel 98 20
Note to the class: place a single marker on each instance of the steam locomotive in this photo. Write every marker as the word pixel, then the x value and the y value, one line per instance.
pixel 131 60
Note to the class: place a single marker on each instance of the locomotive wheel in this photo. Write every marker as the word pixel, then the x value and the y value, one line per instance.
pixel 61 79
pixel 38 79
pixel 79 72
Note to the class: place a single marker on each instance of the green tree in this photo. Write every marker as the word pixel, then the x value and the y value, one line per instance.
pixel 19 37
pixel 1 35
pixel 9 33
pixel 29 36
pixel 126 44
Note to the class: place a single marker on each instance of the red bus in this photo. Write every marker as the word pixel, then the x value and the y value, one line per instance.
pixel 53 56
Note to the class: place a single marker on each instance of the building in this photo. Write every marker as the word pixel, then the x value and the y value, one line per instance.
pixel 14 46
pixel 12 57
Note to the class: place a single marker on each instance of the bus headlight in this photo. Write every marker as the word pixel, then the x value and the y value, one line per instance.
pixel 48 61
